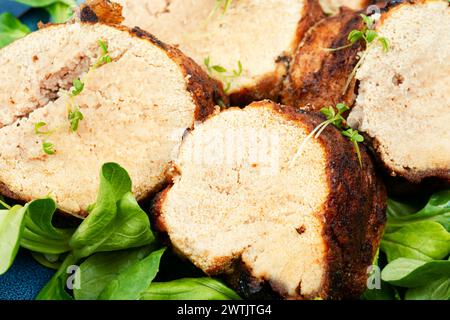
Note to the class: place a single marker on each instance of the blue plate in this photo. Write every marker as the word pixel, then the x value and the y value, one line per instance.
pixel 25 278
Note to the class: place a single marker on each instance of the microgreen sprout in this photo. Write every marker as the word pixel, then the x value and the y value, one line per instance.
pixel 74 114
pixel 334 117
pixel 104 57
pixel 78 87
pixel 368 34
pixel 38 131
pixel 222 74
pixel 224 4
pixel 48 147
pixel 370 37
pixel 355 138
pixel 74 117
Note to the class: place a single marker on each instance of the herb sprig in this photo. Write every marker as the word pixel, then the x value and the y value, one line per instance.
pixel 74 115
pixel 334 117
pixel 105 57
pixel 47 146
pixel 370 37
pixel 222 74
pixel 368 34
pixel 119 264
pixel 224 4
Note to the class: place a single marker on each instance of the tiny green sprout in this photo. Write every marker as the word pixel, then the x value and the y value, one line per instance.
pixel 385 43
pixel 368 21
pixel 74 117
pixel 103 45
pixel 335 117
pixel 238 72
pixel 219 69
pixel 354 36
pixel 78 86
pixel 222 73
pixel 105 57
pixel 207 61
pixel 38 131
pixel 48 147
pixel 355 138
pixel 224 4
pixel 332 116
pixel 368 34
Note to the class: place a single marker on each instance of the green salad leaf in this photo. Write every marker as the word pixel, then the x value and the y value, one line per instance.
pixel 189 289
pixel 11 228
pixel 413 273
pixel 130 284
pixel 101 268
pixel 425 240
pixel 11 29
pixel 437 209
pixel 39 234
pixel 116 221
pixel 112 254
pixel 59 12
pixel 416 242
pixel 436 290
pixel 55 289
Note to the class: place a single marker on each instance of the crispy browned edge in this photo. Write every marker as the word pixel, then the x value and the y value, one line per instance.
pixel 354 218
pixel 409 179
pixel 317 77
pixel 205 91
pixel 270 85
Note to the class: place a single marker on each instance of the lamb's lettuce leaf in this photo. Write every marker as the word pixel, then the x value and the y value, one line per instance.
pixel 411 273
pixel 437 209
pixel 101 268
pixel 116 221
pixel 130 284
pixel 11 228
pixel 425 240
pixel 60 10
pixel 11 29
pixel 189 289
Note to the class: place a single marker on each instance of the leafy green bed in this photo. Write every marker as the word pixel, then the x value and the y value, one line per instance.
pixel 415 251
pixel 119 257
pixel 111 255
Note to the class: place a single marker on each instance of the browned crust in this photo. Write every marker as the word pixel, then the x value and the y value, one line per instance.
pixel 317 77
pixel 355 211
pixel 413 177
pixel 204 90
pixel 408 178
pixel 392 6
pixel 355 218
pixel 354 214
pixel 103 11
pixel 270 85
